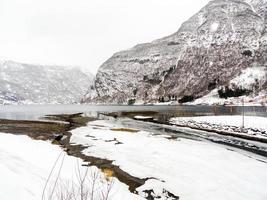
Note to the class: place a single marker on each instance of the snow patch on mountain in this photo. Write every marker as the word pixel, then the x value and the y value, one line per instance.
pixel 250 77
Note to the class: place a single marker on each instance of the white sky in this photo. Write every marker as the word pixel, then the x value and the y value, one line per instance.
pixel 85 32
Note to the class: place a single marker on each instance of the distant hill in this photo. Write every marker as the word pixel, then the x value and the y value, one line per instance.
pixel 26 83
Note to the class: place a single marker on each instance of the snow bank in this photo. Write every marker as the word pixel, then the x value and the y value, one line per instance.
pixel 25 165
pixel 253 126
pixel 143 117
pixel 190 169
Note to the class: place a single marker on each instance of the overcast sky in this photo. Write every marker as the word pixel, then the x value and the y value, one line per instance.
pixel 85 32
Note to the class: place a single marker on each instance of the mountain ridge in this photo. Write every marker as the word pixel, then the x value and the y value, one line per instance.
pixel 211 48
pixel 38 84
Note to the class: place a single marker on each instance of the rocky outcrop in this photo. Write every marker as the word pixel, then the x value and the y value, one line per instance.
pixel 24 84
pixel 208 51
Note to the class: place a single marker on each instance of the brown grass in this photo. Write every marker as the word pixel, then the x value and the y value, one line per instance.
pixel 109 173
pixel 131 130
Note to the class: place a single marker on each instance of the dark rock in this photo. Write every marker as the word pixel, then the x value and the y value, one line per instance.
pixel 58 137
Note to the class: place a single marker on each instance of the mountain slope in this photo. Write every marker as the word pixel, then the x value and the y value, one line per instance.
pixel 23 83
pixel 208 51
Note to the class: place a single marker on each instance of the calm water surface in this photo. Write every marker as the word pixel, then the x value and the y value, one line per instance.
pixel 35 112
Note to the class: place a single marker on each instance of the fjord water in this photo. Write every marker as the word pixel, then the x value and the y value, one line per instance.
pixel 164 112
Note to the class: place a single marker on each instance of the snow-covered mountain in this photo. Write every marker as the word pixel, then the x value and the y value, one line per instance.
pixel 25 83
pixel 208 51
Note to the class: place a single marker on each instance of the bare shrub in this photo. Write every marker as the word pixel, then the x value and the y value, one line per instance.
pixel 88 184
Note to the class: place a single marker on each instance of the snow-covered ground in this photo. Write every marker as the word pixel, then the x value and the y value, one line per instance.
pixel 213 99
pixel 25 165
pixel 143 117
pixel 186 168
pixel 255 127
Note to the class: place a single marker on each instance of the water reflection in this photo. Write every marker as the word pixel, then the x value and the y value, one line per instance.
pixel 162 113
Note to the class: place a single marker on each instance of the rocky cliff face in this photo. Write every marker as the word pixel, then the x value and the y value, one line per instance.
pixel 208 51
pixel 23 83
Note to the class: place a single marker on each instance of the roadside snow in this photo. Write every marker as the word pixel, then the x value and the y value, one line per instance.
pixel 25 165
pixel 190 169
pixel 255 126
